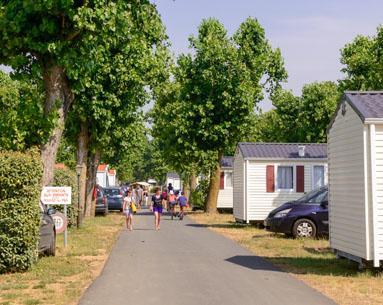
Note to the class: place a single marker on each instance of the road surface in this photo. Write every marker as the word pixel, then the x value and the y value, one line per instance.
pixel 185 263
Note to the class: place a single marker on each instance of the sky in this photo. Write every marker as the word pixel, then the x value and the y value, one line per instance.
pixel 309 33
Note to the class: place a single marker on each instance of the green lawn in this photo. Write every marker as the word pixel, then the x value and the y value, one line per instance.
pixel 61 280
pixel 311 260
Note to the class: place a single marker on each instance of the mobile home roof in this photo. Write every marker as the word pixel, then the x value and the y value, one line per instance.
pixel 282 150
pixel 367 104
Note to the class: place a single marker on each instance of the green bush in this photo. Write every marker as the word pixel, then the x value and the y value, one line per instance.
pixel 20 187
pixel 67 177
pixel 199 195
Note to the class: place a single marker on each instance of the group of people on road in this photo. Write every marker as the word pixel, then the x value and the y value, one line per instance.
pixel 133 200
pixel 167 199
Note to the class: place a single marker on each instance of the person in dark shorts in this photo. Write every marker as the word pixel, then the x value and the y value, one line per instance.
pixel 156 207
pixel 183 202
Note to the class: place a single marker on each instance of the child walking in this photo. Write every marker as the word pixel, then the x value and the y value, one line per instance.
pixel 129 210
pixel 156 207
pixel 183 202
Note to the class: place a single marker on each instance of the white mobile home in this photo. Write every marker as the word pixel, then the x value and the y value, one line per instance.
pixel 266 175
pixel 102 175
pixel 225 195
pixel 112 177
pixel 175 180
pixel 355 151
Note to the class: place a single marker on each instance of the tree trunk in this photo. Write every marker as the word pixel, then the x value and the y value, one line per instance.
pixel 82 160
pixel 212 197
pixel 192 187
pixel 186 187
pixel 93 163
pixel 58 98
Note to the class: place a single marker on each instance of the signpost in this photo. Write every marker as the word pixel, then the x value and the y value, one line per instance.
pixel 58 195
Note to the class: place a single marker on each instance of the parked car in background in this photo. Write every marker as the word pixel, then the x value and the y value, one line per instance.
pixel 305 217
pixel 115 198
pixel 47 242
pixel 101 201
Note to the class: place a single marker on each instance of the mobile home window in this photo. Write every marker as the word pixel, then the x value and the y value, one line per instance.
pixel 228 180
pixel 285 177
pixel 318 176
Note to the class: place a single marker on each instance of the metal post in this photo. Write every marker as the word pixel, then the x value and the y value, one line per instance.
pixel 66 230
pixel 78 201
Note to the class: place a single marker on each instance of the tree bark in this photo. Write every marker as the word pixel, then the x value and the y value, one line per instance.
pixel 58 98
pixel 186 187
pixel 82 160
pixel 192 187
pixel 93 163
pixel 212 197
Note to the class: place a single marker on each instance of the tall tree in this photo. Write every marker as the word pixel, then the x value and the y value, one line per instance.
pixel 303 118
pixel 59 43
pixel 219 86
pixel 362 61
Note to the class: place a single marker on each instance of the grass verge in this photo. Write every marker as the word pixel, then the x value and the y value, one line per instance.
pixel 62 279
pixel 310 260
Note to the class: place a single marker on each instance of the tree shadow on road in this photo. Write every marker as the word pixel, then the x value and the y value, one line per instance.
pixel 218 225
pixel 302 265
pixel 252 262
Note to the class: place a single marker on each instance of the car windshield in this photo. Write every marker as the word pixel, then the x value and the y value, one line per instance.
pixel 313 196
pixel 112 192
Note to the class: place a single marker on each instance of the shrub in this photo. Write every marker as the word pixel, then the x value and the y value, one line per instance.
pixel 199 195
pixel 20 186
pixel 67 177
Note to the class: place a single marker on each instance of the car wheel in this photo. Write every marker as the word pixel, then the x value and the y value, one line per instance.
pixel 52 248
pixel 304 228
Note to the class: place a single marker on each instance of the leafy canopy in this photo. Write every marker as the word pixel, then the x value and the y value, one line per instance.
pixel 363 62
pixel 299 119
pixel 207 107
pixel 22 121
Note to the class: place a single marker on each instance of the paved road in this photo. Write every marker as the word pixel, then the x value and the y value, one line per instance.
pixel 184 264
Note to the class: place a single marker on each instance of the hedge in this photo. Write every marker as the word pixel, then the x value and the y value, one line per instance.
pixel 67 177
pixel 20 178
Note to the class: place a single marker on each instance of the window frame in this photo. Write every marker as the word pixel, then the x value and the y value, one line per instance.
pixel 279 190
pixel 324 175
pixel 225 186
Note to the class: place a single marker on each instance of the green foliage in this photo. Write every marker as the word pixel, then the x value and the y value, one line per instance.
pixel 299 119
pixel 67 177
pixel 208 107
pixel 112 52
pixel 22 122
pixel 67 153
pixel 20 175
pixel 363 61
pixel 146 163
pixel 199 195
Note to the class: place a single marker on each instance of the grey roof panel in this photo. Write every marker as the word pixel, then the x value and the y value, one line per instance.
pixel 227 161
pixel 368 104
pixel 282 150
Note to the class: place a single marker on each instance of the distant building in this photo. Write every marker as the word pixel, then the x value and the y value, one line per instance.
pixel 106 176
pixel 175 180
pixel 112 180
pixel 225 195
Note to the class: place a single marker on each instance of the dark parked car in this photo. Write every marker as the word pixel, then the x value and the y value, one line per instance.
pixel 47 242
pixel 101 201
pixel 114 197
pixel 305 217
